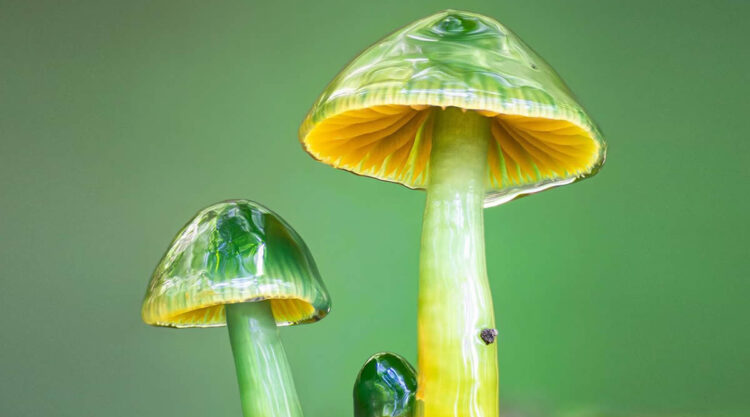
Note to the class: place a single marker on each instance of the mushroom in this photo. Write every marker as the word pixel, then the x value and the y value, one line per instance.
pixel 458 105
pixel 385 387
pixel 238 263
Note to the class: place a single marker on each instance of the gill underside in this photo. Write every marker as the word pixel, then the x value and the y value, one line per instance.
pixel 394 142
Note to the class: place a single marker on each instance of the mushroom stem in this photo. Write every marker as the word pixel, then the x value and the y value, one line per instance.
pixel 458 375
pixel 263 373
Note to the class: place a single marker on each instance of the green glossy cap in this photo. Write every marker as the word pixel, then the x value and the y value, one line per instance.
pixel 234 252
pixel 375 117
pixel 385 387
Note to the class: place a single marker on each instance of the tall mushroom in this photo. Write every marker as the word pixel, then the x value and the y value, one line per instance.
pixel 456 104
pixel 238 263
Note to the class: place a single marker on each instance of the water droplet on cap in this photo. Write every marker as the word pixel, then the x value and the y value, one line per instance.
pixel 456 24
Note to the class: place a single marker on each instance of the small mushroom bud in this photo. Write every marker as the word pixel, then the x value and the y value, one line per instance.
pixel 385 387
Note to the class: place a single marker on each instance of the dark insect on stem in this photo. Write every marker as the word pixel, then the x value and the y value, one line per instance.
pixel 488 336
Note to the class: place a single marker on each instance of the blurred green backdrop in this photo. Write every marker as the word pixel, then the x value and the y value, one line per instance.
pixel 120 119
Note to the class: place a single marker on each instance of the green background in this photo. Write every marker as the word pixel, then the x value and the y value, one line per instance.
pixel 120 119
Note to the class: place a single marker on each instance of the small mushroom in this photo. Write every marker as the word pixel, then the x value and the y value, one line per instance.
pixel 238 263
pixel 458 105
pixel 385 387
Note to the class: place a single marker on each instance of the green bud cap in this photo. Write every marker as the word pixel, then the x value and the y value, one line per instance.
pixel 234 252
pixel 376 117
pixel 385 387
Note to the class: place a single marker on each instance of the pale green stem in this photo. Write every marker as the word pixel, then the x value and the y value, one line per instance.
pixel 265 379
pixel 458 375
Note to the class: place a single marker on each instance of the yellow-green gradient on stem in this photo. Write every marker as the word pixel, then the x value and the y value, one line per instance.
pixel 457 370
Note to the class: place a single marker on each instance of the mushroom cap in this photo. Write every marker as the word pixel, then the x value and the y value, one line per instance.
pixel 233 252
pixel 375 118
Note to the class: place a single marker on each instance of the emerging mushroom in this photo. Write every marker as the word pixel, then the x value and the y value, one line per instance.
pixel 458 105
pixel 385 387
pixel 238 263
